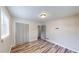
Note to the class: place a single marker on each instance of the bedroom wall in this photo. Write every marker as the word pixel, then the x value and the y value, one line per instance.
pixel 68 33
pixel 5 46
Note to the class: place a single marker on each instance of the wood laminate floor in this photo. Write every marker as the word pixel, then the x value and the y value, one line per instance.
pixel 40 46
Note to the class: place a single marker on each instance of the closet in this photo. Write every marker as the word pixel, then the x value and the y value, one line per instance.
pixel 21 33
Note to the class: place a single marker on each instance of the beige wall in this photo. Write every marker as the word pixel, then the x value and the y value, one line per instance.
pixel 68 33
pixel 8 41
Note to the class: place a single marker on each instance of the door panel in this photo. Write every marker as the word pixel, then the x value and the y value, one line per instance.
pixel 26 32
pixel 22 33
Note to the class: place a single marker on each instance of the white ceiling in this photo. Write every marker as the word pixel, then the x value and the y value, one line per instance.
pixel 32 12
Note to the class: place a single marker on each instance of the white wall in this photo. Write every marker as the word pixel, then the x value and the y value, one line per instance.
pixel 5 46
pixel 68 33
pixel 33 29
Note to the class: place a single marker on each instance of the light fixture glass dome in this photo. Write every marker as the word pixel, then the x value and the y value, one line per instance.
pixel 43 15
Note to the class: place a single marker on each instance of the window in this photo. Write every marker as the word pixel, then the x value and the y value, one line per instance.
pixel 4 25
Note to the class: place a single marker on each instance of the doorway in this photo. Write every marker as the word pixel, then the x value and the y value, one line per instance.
pixel 41 32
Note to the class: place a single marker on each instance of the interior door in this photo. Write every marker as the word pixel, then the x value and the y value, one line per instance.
pixel 22 33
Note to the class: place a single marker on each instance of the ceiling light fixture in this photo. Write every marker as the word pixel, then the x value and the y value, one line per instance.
pixel 43 15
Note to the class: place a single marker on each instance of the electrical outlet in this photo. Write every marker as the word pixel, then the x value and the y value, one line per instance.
pixel 2 41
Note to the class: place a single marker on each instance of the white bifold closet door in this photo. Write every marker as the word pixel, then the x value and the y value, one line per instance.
pixel 22 33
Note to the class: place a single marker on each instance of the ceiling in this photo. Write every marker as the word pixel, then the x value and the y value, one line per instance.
pixel 33 12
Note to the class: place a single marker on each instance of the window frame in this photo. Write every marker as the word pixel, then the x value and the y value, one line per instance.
pixel 7 25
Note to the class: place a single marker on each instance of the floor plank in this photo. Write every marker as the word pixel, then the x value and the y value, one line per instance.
pixel 40 46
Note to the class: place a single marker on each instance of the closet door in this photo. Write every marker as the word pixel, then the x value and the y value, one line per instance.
pixel 26 33
pixel 22 31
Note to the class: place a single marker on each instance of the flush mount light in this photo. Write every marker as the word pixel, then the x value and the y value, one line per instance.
pixel 43 15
